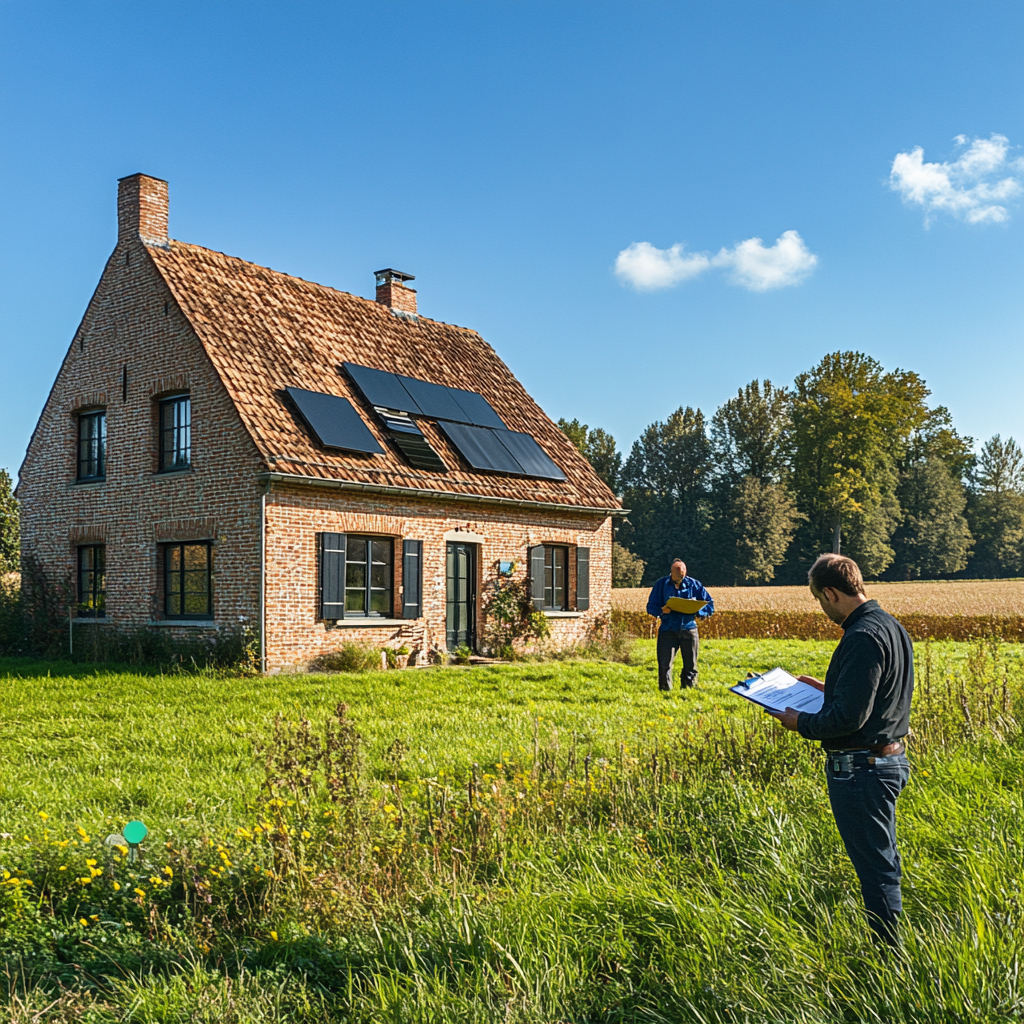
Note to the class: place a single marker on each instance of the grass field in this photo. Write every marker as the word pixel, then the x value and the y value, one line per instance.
pixel 956 597
pixel 525 843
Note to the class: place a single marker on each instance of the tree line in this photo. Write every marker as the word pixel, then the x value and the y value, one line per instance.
pixel 850 458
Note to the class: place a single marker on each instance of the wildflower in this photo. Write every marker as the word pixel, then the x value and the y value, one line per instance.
pixel 44 815
pixel 305 834
pixel 83 881
pixel 273 935
pixel 81 831
pixel 117 887
pixel 91 862
pixel 168 872
pixel 82 921
pixel 63 867
pixel 141 892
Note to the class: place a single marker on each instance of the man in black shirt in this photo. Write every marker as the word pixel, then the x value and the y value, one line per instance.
pixel 861 726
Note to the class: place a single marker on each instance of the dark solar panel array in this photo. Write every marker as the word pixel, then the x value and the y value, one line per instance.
pixel 421 398
pixel 501 451
pixel 381 388
pixel 334 421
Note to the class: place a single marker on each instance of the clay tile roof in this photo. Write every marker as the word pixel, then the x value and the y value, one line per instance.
pixel 264 331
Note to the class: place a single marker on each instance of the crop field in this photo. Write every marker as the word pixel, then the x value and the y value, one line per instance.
pixel 956 597
pixel 523 844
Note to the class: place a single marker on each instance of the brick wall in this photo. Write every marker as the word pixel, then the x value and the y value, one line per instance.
pixel 295 515
pixel 133 346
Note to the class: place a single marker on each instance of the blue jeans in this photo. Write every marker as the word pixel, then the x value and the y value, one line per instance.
pixel 863 799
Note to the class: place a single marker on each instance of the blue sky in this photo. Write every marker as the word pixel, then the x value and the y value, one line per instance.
pixel 507 153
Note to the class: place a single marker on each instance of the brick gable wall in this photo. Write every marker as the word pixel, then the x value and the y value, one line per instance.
pixel 133 324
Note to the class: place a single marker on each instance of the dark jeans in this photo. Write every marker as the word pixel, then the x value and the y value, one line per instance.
pixel 864 805
pixel 685 642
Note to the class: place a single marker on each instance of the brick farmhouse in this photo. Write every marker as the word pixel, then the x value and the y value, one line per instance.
pixel 217 451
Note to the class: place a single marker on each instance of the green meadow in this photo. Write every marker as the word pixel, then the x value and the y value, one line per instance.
pixel 537 842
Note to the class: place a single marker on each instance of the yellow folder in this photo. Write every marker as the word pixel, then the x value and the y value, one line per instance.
pixel 685 605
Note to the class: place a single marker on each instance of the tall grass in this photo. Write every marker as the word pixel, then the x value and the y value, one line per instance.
pixel 521 843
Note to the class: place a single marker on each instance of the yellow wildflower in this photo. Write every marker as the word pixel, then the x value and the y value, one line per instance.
pixel 117 886
pixel 81 831
pixel 141 892
pixel 43 815
pixel 273 935
pixel 82 921
pixel 168 872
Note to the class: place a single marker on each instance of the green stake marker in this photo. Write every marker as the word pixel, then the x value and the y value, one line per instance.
pixel 134 832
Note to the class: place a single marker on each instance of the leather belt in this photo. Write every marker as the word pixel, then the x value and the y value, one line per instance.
pixel 893 749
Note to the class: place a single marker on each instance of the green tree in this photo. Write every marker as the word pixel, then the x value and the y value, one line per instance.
pixel 755 532
pixel 934 539
pixel 9 525
pixel 996 513
pixel 665 484
pixel 627 568
pixel 598 447
pixel 751 434
pixel 755 514
pixel 853 425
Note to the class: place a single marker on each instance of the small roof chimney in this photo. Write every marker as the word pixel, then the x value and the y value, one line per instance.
pixel 142 209
pixel 392 291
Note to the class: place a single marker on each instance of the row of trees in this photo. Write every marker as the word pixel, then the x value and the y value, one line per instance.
pixel 850 458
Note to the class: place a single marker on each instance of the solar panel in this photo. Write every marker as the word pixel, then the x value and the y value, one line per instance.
pixel 334 421
pixel 381 388
pixel 477 409
pixel 525 450
pixel 434 400
pixel 412 444
pixel 480 447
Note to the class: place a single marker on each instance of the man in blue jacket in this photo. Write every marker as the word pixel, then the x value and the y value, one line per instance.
pixel 678 631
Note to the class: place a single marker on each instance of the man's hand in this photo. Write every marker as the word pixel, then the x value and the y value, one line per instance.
pixel 666 610
pixel 811 681
pixel 787 719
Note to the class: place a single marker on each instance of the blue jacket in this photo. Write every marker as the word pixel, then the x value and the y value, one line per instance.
pixel 688 588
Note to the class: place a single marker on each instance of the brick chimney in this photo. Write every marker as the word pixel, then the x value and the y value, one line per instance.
pixel 392 292
pixel 142 209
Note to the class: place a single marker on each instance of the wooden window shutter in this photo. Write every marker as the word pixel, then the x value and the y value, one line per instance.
pixel 582 579
pixel 536 558
pixel 332 575
pixel 412 579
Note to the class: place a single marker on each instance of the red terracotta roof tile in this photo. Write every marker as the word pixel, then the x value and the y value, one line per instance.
pixel 264 331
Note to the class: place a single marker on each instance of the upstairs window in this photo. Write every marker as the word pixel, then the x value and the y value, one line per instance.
pixel 175 433
pixel 188 581
pixel 92 571
pixel 369 570
pixel 92 445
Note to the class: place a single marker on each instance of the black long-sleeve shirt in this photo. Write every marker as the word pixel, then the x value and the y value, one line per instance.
pixel 868 685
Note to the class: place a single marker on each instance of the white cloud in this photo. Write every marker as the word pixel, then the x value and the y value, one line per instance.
pixel 762 268
pixel 754 265
pixel 648 269
pixel 969 187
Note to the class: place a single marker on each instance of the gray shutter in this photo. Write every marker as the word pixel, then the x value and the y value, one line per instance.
pixel 412 579
pixel 536 556
pixel 332 575
pixel 582 579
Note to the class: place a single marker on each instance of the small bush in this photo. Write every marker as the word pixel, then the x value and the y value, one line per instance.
pixel 350 657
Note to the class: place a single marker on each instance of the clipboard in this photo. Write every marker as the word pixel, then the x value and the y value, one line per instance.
pixel 686 605
pixel 777 690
